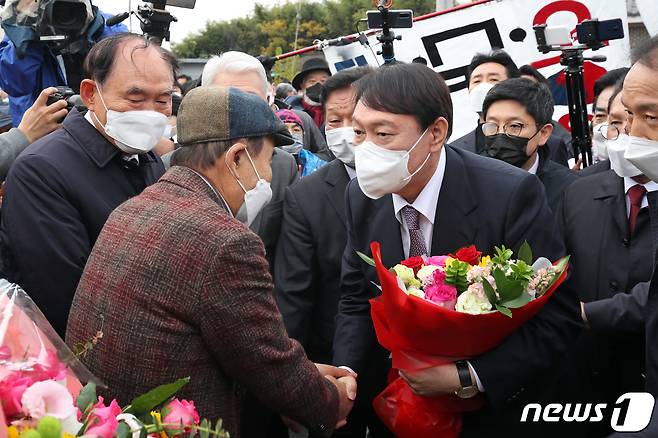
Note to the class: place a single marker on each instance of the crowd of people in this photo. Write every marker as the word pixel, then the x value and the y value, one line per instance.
pixel 210 227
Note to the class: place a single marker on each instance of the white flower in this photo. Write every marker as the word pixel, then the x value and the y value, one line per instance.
pixel 48 398
pixel 425 273
pixel 406 274
pixel 416 292
pixel 470 302
pixel 477 273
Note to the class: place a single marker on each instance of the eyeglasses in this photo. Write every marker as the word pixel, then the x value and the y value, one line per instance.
pixel 608 131
pixel 511 129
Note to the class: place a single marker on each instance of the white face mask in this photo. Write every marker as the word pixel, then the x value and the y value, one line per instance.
pixel 382 171
pixel 643 153
pixel 255 199
pixel 477 94
pixel 616 151
pixel 599 143
pixel 341 142
pixel 135 132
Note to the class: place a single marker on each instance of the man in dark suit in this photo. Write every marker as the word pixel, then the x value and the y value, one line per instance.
pixel 189 288
pixel 313 234
pixel 416 196
pixel 491 68
pixel 607 229
pixel 637 311
pixel 517 124
pixel 63 187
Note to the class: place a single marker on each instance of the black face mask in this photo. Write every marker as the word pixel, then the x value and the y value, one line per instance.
pixel 313 93
pixel 511 150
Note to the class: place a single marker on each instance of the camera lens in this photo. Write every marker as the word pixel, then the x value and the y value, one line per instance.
pixel 68 17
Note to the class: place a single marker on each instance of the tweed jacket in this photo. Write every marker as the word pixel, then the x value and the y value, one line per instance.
pixel 180 288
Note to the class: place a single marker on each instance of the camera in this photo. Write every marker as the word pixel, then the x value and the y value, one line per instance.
pixel 72 100
pixel 69 17
pixel 592 34
pixel 155 19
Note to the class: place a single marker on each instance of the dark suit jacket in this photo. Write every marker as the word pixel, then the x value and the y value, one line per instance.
pixel 189 294
pixel 267 223
pixel 483 202
pixel 559 149
pixel 59 193
pixel 601 166
pixel 607 261
pixel 309 252
pixel 555 178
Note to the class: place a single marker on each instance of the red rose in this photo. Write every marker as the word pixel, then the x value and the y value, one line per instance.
pixel 468 254
pixel 414 263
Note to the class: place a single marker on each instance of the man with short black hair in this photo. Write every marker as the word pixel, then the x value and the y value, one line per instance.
pixel 416 195
pixel 517 114
pixel 63 187
pixel 484 71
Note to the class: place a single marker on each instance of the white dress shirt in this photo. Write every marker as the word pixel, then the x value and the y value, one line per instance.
pixel 651 186
pixel 535 166
pixel 425 204
pixel 351 172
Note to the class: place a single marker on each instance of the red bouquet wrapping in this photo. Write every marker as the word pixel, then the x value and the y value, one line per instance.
pixel 421 334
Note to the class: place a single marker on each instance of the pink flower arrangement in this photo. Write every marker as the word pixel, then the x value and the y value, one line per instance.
pixel 48 398
pixel 179 412
pixel 102 419
pixel 12 388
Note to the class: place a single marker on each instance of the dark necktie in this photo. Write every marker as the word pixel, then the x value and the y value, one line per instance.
pixel 635 195
pixel 416 241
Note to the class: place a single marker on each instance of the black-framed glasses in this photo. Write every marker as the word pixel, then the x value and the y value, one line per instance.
pixel 511 129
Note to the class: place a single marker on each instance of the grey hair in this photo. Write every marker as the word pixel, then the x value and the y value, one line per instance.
pixel 235 63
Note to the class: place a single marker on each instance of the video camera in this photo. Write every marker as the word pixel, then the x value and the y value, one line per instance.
pixel 154 19
pixel 591 34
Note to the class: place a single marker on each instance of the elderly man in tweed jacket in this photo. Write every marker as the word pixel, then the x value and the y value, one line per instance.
pixel 179 287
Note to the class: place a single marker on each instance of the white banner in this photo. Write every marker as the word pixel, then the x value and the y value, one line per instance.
pixel 449 41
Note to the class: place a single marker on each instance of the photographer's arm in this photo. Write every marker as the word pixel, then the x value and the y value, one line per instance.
pixel 39 120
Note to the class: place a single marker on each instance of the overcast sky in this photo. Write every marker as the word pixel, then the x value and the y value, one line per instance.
pixel 191 20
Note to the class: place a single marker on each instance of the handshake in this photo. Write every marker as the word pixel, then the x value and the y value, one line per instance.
pixel 345 382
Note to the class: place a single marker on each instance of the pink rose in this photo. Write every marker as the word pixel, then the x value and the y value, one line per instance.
pixel 48 399
pixel 103 419
pixel 5 353
pixel 178 412
pixel 12 388
pixel 444 295
pixel 437 261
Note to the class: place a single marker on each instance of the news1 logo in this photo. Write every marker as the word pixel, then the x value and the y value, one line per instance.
pixel 631 413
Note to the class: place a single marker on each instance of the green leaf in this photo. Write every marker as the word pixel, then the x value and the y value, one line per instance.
pixel 521 301
pixel 87 397
pixel 365 258
pixel 508 289
pixel 204 426
pixel 561 265
pixel 123 431
pixel 525 253
pixel 504 310
pixel 456 275
pixel 490 292
pixel 155 397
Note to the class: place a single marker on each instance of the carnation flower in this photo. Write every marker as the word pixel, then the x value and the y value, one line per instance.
pixel 425 274
pixel 470 302
pixel 478 273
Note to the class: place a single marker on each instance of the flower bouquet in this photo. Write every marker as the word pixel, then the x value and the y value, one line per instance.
pixel 41 395
pixel 442 309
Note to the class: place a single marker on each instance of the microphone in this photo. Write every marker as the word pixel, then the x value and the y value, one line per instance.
pixel 116 19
